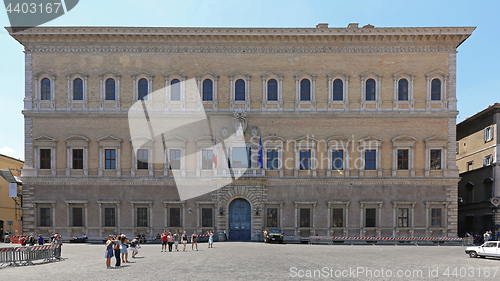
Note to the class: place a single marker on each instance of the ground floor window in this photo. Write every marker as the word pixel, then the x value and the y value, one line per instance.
pixel 370 217
pixel 305 217
pixel 338 217
pixel 206 217
pixel 110 216
pixel 436 217
pixel 174 217
pixel 272 217
pixel 44 217
pixel 77 216
pixel 142 217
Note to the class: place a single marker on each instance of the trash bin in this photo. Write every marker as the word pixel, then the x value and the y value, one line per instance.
pixel 222 237
pixel 257 237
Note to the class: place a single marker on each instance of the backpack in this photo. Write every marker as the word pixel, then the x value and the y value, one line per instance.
pixel 116 246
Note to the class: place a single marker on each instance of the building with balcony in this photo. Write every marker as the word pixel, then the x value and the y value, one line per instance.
pixel 328 131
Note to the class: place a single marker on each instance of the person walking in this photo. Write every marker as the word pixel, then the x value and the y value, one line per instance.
pixel 109 251
pixel 184 240
pixel 164 241
pixel 57 241
pixel 194 240
pixel 176 240
pixel 40 240
pixel 211 239
pixel 486 236
pixel 123 248
pixel 117 243
pixel 170 241
pixel 32 240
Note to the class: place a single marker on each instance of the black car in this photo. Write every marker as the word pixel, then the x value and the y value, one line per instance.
pixel 275 235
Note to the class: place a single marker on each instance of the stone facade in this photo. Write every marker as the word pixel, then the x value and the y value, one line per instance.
pixel 477 160
pixel 386 197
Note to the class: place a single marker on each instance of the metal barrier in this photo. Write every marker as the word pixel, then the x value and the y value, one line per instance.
pixel 27 255
pixel 18 238
pixel 330 240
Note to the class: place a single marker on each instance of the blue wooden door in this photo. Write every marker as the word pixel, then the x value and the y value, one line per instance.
pixel 240 214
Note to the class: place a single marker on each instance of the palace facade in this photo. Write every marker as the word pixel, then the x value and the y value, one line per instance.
pixel 329 131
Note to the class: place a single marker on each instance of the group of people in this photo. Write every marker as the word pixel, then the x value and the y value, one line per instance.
pixel 169 239
pixel 117 245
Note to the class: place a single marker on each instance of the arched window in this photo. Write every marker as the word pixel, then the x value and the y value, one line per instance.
pixel 175 90
pixel 403 89
pixel 143 88
pixel 208 90
pixel 240 90
pixel 110 89
pixel 436 89
pixel 370 89
pixel 78 89
pixel 305 90
pixel 45 89
pixel 338 89
pixel 272 90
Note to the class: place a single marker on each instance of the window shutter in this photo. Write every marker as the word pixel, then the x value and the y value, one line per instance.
pixel 485 161
pixel 485 132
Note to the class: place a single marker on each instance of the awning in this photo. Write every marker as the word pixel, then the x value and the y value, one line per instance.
pixel 9 177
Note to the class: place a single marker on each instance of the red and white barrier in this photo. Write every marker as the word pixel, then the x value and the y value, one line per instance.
pixel 385 238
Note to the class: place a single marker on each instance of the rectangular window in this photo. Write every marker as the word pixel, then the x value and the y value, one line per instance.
pixel 337 159
pixel 175 159
pixel 241 157
pixel 45 157
pixel 370 159
pixel 488 134
pixel 370 217
pixel 272 159
pixel 175 217
pixel 142 159
pixel 142 217
pixel 403 160
pixel 435 159
pixel 469 166
pixel 305 217
pixel 337 217
pixel 110 159
pixel 206 159
pixel 436 217
pixel 305 159
pixel 488 160
pixel 77 159
pixel 272 217
pixel 206 217
pixel 110 217
pixel 403 217
pixel 338 90
pixel 77 213
pixel 45 217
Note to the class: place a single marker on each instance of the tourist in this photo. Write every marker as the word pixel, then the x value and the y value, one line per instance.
pixel 176 240
pixel 117 244
pixel 123 248
pixel 184 240
pixel 134 246
pixel 32 239
pixel 194 240
pixel 170 241
pixel 164 241
pixel 40 240
pixel 57 241
pixel 109 251
pixel 51 237
pixel 211 239
pixel 486 236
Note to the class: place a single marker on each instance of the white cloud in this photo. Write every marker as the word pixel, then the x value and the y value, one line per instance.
pixel 7 151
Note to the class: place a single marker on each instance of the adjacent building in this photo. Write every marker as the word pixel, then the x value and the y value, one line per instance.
pixel 346 131
pixel 10 207
pixel 477 161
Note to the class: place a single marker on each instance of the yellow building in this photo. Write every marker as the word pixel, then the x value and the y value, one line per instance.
pixel 10 218
pixel 357 126
pixel 477 160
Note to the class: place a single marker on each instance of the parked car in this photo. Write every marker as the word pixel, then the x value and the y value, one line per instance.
pixel 276 235
pixel 488 249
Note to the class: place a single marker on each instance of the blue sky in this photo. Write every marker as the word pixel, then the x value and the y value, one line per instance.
pixel 478 58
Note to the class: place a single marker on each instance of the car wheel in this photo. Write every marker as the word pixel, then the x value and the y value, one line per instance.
pixel 473 254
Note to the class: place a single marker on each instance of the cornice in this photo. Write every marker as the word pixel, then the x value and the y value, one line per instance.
pixel 252 40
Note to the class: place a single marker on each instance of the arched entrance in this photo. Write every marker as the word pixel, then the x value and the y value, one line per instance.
pixel 240 215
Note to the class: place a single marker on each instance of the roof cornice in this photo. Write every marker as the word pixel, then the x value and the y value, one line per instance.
pixel 37 38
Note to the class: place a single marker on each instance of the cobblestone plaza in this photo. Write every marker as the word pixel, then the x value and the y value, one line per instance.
pixel 254 261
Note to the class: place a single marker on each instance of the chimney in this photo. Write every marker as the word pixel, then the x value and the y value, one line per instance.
pixel 353 25
pixel 322 25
